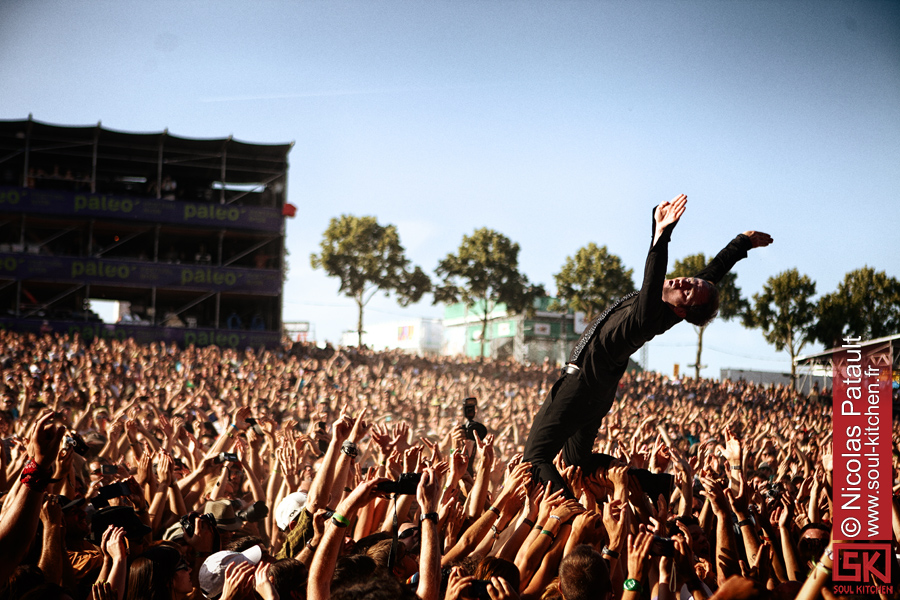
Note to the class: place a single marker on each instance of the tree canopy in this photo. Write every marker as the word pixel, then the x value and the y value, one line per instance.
pixel 731 302
pixel 483 273
pixel 592 280
pixel 785 312
pixel 865 304
pixel 368 257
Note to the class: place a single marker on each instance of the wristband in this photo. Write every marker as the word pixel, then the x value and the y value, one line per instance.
pixel 610 553
pixel 494 510
pixel 528 522
pixel 35 478
pixel 745 522
pixel 350 449
pixel 823 567
pixel 632 585
pixel 496 531
pixel 557 517
pixel 309 545
pixel 432 516
pixel 549 534
pixel 340 520
pixel 735 467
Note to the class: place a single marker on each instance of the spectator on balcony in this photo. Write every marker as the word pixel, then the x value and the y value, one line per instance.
pixel 234 321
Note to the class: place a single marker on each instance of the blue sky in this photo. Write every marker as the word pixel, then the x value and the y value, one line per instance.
pixel 556 123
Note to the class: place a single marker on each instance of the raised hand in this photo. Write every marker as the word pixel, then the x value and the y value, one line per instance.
pixel 43 446
pixel 115 544
pixel 238 580
pixel 638 553
pixel 381 437
pixel 732 450
pixel 758 238
pixel 486 447
pixel 616 517
pixel 668 213
pixel 261 582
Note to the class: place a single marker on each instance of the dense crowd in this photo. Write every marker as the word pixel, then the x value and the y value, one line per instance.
pixel 133 471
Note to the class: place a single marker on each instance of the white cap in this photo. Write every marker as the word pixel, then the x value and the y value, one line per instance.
pixel 212 571
pixel 288 509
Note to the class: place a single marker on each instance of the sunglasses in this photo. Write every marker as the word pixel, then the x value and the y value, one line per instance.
pixel 183 565
pixel 408 533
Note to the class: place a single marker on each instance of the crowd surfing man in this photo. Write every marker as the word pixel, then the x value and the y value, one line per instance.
pixel 570 417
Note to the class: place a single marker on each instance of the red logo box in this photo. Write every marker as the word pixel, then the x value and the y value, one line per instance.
pixel 859 562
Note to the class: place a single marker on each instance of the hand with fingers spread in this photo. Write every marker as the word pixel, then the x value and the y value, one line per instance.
pixel 668 213
pixel 549 501
pixel 616 519
pixel 500 589
pixel 457 584
pixel 239 579
pixel 585 529
pixel 381 437
pixel 262 584
pixel 400 436
pixel 638 556
pixel 716 496
pixel 115 544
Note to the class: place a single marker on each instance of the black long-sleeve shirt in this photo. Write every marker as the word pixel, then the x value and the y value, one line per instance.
pixel 639 319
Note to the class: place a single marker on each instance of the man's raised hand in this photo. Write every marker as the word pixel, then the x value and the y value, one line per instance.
pixel 758 238
pixel 668 213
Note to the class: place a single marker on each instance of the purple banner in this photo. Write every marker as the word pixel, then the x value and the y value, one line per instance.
pixel 145 210
pixel 145 334
pixel 262 282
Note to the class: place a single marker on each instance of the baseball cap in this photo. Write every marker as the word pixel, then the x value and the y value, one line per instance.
pixel 288 509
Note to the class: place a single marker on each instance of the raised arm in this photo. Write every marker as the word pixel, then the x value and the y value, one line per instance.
pixel 732 253
pixel 667 215
pixel 19 522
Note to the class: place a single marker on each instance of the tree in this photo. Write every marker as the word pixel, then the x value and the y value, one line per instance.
pixel 367 257
pixel 485 271
pixel 866 304
pixel 731 303
pixel 591 281
pixel 785 313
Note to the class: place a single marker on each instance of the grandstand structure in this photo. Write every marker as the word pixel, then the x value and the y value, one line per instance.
pixel 187 235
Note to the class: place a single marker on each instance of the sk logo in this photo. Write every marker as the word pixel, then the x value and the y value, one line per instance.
pixel 859 563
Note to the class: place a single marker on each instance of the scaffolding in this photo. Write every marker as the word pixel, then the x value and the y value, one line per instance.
pixel 186 234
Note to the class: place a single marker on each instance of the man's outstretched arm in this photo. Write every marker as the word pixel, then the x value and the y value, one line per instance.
pixel 733 252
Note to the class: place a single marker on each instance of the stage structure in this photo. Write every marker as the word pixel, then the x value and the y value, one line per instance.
pixel 186 234
pixel 820 366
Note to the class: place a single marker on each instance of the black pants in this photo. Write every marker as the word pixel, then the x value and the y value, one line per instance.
pixel 568 420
